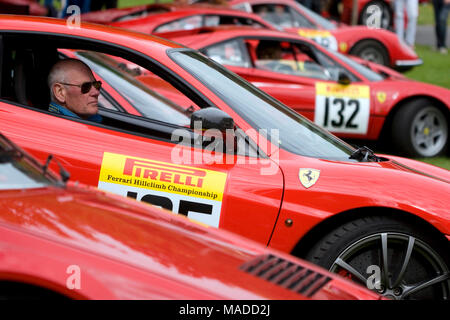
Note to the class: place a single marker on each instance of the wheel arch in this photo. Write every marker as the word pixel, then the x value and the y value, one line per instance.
pixel 388 51
pixel 387 5
pixel 326 226
pixel 387 124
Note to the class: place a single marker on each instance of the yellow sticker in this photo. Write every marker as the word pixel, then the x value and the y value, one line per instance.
pixel 340 90
pixel 162 176
pixel 343 46
pixel 314 33
pixel 381 96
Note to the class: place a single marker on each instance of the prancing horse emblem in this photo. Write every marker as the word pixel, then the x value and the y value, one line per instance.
pixel 308 177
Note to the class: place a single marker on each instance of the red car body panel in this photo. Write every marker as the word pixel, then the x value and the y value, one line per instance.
pixel 299 92
pixel 45 231
pixel 124 249
pixel 253 205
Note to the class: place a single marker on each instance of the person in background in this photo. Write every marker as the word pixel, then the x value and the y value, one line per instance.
pixel 441 11
pixel 411 7
pixel 84 6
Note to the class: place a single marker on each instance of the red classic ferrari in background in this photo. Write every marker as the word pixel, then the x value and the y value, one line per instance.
pixel 376 45
pixel 276 178
pixel 330 89
pixel 77 242
pixel 380 46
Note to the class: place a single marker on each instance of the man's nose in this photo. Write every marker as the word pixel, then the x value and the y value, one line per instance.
pixel 94 92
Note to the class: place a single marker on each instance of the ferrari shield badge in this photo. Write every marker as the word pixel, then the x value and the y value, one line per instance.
pixel 381 96
pixel 308 177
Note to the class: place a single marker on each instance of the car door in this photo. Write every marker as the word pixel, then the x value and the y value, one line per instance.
pixel 141 157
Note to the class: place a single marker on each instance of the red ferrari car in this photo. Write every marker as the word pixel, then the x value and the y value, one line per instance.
pixel 379 46
pixel 170 17
pixel 275 177
pixel 70 241
pixel 338 94
pixel 376 45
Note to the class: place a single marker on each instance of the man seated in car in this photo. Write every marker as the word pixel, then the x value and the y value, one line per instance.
pixel 73 90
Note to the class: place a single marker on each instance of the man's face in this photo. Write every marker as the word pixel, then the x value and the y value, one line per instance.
pixel 86 104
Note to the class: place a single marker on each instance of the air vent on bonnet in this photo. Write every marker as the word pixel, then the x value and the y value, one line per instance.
pixel 286 274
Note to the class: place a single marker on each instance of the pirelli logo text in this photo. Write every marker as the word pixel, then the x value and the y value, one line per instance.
pixel 162 176
pixel 340 91
pixel 167 173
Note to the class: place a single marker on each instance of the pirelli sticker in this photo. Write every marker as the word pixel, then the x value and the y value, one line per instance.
pixel 342 108
pixel 194 192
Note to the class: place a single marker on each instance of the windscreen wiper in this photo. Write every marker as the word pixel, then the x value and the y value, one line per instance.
pixel 364 154
pixel 64 174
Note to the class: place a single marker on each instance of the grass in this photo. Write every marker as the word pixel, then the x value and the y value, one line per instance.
pixel 426 15
pixel 129 3
pixel 443 162
pixel 435 69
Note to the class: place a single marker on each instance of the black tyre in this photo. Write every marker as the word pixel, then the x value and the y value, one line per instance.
pixel 371 50
pixel 368 11
pixel 412 265
pixel 420 129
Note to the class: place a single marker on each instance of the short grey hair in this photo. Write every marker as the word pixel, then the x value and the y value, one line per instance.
pixel 59 72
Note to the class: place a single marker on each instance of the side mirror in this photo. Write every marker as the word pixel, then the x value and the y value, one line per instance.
pixel 212 118
pixel 343 78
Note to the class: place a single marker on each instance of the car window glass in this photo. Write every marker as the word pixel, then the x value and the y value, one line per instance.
pixel 140 14
pixel 17 171
pixel 319 20
pixel 286 58
pixel 276 14
pixel 366 72
pixel 333 67
pixel 181 24
pixel 216 20
pixel 228 53
pixel 151 95
pixel 280 124
pixel 300 21
pixel 105 102
pixel 147 93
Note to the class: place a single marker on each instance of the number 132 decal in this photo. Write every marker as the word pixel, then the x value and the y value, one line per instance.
pixel 342 108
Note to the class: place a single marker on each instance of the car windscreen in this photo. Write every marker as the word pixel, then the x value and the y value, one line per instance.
pixel 366 72
pixel 18 172
pixel 321 21
pixel 148 102
pixel 296 134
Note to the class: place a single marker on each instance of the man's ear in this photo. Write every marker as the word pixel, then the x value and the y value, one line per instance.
pixel 59 91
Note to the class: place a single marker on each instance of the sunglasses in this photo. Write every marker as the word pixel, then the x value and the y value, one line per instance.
pixel 86 86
